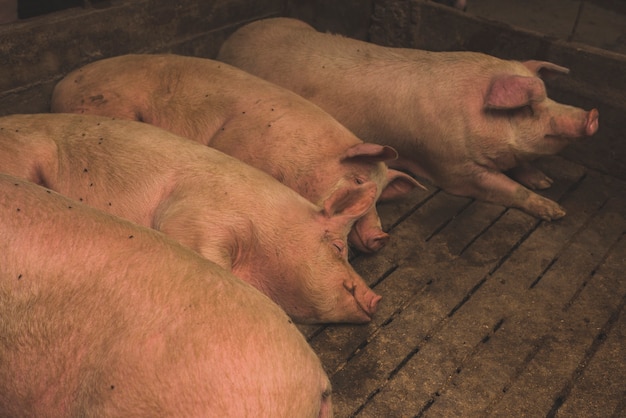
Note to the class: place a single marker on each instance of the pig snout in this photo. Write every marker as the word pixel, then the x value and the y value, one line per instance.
pixel 366 299
pixel 575 125
pixel 368 241
pixel 591 127
pixel 367 234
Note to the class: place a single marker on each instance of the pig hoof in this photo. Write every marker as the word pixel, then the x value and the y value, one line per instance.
pixel 544 183
pixel 542 208
pixel 531 177
pixel 552 213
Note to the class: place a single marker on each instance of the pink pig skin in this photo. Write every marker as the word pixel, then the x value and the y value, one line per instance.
pixel 459 119
pixel 102 317
pixel 260 123
pixel 230 212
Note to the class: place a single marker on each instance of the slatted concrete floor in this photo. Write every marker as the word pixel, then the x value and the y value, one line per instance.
pixel 490 312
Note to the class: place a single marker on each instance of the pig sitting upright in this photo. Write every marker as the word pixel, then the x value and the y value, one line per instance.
pixel 458 119
pixel 264 125
pixel 103 318
pixel 233 214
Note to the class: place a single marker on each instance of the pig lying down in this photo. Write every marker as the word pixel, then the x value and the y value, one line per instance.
pixel 264 125
pixel 229 212
pixel 103 318
pixel 459 119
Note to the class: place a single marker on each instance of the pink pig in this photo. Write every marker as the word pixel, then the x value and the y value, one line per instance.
pixel 262 124
pixel 102 317
pixel 230 212
pixel 458 119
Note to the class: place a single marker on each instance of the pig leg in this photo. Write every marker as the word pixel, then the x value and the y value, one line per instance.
pixel 530 176
pixel 495 187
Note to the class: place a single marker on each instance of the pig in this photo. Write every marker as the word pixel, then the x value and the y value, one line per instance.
pixel 257 122
pixel 460 120
pixel 233 214
pixel 101 317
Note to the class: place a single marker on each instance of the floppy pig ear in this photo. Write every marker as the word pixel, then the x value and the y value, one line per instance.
pixel 511 91
pixel 370 152
pixel 398 184
pixel 545 68
pixel 353 200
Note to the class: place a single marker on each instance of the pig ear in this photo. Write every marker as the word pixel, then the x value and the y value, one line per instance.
pixel 545 69
pixel 352 201
pixel 511 91
pixel 398 184
pixel 370 152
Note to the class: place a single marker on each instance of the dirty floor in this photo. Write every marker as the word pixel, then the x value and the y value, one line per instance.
pixel 490 312
pixel 487 311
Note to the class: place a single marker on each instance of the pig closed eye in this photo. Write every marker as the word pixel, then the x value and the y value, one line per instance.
pixel 523 111
pixel 339 247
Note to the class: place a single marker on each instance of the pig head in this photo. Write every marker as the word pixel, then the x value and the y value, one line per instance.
pixel 102 317
pixel 458 119
pixel 233 214
pixel 264 125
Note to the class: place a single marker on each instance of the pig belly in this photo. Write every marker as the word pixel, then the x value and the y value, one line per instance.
pixel 102 317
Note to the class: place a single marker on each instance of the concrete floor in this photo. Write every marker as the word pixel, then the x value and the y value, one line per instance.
pixel 487 311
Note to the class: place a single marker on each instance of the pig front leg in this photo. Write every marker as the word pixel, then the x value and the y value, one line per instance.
pixel 495 187
pixel 530 176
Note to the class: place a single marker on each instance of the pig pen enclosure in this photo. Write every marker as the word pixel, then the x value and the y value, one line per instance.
pixel 486 311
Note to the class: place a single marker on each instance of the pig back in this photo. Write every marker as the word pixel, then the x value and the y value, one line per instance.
pixel 216 104
pixel 101 317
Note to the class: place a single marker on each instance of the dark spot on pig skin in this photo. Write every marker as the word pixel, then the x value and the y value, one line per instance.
pixel 131 236
pixel 85 170
pixel 69 207
pixel 18 209
pixel 19 276
pixel 112 387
